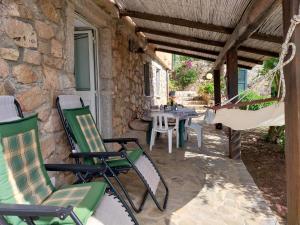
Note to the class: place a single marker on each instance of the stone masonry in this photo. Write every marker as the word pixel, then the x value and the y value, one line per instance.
pixel 37 64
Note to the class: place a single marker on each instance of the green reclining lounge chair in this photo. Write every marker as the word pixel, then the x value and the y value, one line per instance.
pixel 86 143
pixel 27 195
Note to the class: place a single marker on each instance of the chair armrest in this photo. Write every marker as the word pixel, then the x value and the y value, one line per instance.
pixel 76 168
pixel 120 140
pixel 100 155
pixel 25 211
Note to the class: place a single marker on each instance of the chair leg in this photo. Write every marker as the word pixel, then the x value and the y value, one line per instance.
pixel 186 134
pixel 170 141
pixel 152 140
pixel 177 138
pixel 199 138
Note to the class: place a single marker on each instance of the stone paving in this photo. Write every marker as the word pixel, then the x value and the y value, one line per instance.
pixel 206 187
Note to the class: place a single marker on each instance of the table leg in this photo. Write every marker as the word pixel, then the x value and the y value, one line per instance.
pixel 181 133
pixel 148 134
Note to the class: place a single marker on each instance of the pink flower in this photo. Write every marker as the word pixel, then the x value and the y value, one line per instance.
pixel 189 64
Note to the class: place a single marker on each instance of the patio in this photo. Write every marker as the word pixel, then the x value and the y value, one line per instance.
pixel 206 187
pixel 107 52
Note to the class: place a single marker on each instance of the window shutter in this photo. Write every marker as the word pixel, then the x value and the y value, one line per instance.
pixel 147 79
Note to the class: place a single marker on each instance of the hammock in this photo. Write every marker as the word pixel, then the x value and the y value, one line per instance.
pixel 237 119
pixel 269 116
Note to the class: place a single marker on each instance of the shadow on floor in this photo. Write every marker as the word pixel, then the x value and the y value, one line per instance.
pixel 206 187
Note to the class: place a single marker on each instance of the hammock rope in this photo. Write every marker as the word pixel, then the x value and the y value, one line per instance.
pixel 272 115
pixel 282 62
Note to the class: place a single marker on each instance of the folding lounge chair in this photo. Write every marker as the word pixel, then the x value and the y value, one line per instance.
pixel 27 195
pixel 86 143
pixel 9 108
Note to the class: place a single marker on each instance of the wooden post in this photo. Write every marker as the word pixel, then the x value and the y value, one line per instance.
pixel 292 117
pixel 232 88
pixel 217 92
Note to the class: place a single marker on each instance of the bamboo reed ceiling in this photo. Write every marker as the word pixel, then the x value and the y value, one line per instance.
pixel 223 16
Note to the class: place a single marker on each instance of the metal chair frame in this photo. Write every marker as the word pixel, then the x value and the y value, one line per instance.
pixel 114 172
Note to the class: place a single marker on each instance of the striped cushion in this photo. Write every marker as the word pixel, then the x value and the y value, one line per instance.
pixel 84 131
pixel 90 133
pixel 68 196
pixel 84 198
pixel 25 176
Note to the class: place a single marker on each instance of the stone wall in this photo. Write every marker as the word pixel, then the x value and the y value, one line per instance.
pixel 262 88
pixel 128 68
pixel 128 79
pixel 37 64
pixel 33 64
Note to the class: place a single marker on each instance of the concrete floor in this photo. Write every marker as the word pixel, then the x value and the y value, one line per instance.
pixel 206 187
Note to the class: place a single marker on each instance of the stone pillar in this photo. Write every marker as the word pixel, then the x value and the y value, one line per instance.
pixel 105 91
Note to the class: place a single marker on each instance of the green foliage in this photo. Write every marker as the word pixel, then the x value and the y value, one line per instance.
pixel 186 77
pixel 275 134
pixel 267 66
pixel 206 88
pixel 251 96
pixel 185 74
pixel 173 85
pixel 180 59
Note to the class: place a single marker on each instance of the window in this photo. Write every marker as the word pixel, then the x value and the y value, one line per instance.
pixel 82 61
pixel 242 82
pixel 157 75
pixel 146 79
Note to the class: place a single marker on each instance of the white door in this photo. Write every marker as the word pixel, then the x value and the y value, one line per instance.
pixel 85 69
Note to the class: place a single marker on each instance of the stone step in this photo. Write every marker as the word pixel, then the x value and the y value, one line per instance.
pixel 185 98
pixel 195 106
pixel 193 102
pixel 185 93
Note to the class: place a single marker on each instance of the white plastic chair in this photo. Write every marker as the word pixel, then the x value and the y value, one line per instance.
pixel 197 128
pixel 160 125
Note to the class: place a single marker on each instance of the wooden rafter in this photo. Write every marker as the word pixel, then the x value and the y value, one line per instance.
pixel 200 50
pixel 203 41
pixel 196 56
pixel 256 13
pixel 193 24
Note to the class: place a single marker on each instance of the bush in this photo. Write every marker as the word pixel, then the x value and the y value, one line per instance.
pixel 251 96
pixel 185 75
pixel 206 88
pixel 173 85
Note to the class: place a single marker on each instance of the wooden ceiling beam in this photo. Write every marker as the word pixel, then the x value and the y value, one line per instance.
pixel 267 37
pixel 258 51
pixel 203 41
pixel 254 15
pixel 200 50
pixel 196 56
pixel 194 24
pixel 177 21
pixel 180 36
pixel 185 47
